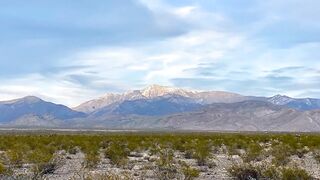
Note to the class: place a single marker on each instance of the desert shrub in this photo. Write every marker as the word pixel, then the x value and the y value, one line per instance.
pixel 44 162
pixel 249 172
pixel 199 150
pixel 2 169
pixel 117 153
pixel 73 150
pixel 39 156
pixel 202 152
pixel 234 149
pixel 44 168
pixel 91 159
pixel 110 176
pixel 295 174
pixel 281 154
pixel 252 152
pixel 244 172
pixel 316 155
pixel 270 172
pixel 166 169
pixel 301 152
pixel 190 173
pixel 15 157
pixel 189 154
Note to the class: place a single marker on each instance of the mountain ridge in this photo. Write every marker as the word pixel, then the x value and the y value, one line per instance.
pixel 201 97
pixel 163 107
pixel 30 105
pixel 153 91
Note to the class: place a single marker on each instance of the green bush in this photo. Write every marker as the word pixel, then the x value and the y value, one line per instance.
pixel 2 169
pixel 271 173
pixel 316 155
pixel 15 157
pixel 244 172
pixel 166 169
pixel 91 159
pixel 295 174
pixel 281 154
pixel 73 150
pixel 117 153
pixel 110 176
pixel 190 173
pixel 252 152
pixel 202 152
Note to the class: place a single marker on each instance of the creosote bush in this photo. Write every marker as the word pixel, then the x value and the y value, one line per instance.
pixel 166 169
pixel 189 172
pixel 117 153
pixel 244 172
pixel 253 152
pixel 295 174
pixel 91 159
pixel 110 176
pixel 270 172
pixel 281 154
pixel 2 169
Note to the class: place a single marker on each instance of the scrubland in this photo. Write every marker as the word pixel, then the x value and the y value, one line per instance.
pixel 159 156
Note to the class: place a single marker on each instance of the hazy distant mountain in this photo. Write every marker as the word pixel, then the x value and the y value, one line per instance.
pixel 244 116
pixel 300 104
pixel 23 109
pixel 240 116
pixel 161 107
pixel 155 91
pixel 199 97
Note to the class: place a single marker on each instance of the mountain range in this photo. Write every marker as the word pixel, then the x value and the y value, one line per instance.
pixel 168 108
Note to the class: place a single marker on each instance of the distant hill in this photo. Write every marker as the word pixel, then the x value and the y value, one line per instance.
pixel 240 116
pixel 32 107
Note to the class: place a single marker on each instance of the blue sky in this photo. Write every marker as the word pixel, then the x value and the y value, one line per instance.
pixel 70 51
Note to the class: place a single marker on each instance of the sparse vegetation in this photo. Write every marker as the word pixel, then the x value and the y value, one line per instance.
pixel 189 172
pixel 162 149
pixel 244 172
pixel 117 153
pixel 166 168
pixel 281 153
pixel 252 152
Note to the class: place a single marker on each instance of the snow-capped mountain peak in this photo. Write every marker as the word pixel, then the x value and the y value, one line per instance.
pixel 157 90
pixel 280 99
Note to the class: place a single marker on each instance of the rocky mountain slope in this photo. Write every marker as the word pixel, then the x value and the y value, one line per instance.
pixel 198 97
pixel 240 116
pixel 301 104
pixel 155 91
pixel 32 109
pixel 246 116
pixel 158 106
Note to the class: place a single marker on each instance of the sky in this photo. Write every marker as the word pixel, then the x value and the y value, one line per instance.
pixel 70 51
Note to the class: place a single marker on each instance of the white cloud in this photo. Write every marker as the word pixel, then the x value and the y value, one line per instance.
pixel 184 11
pixel 209 38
